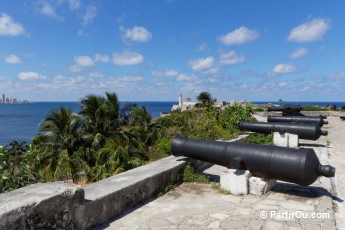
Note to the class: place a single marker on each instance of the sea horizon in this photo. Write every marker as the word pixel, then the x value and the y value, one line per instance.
pixel 21 121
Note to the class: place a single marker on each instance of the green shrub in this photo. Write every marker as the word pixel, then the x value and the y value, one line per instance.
pixel 258 138
pixel 189 175
pixel 163 189
pixel 331 107
pixel 312 108
pixel 232 115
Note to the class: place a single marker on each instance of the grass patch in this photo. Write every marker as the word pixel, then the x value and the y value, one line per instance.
pixel 312 108
pixel 258 138
pixel 190 175
pixel 163 190
pixel 219 189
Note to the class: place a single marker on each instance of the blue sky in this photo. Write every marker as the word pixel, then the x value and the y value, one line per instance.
pixel 152 50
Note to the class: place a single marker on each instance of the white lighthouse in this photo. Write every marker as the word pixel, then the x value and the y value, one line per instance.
pixel 180 103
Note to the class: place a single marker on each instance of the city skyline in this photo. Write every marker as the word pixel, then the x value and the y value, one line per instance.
pixel 152 51
pixel 10 100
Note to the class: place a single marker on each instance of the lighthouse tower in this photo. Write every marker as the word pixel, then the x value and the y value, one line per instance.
pixel 180 104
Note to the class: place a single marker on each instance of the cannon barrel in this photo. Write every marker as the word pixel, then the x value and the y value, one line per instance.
pixel 298 119
pixel 285 108
pixel 299 166
pixel 288 110
pixel 307 131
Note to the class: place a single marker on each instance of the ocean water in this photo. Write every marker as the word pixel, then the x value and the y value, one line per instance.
pixel 21 121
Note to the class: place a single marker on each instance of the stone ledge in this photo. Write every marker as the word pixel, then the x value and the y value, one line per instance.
pixel 67 206
pixel 108 198
pixel 48 205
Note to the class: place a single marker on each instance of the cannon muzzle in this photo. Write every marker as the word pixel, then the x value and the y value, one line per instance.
pixel 298 119
pixel 299 166
pixel 307 131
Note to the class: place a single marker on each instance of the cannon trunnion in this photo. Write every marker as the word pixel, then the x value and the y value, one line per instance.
pixel 300 166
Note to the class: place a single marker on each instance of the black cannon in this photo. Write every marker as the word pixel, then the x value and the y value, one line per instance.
pixel 298 119
pixel 288 110
pixel 307 131
pixel 299 166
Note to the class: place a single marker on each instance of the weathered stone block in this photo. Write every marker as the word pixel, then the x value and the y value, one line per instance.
pixel 285 140
pixel 260 186
pixel 235 181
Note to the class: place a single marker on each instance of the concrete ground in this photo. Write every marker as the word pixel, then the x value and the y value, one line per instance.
pixel 287 206
pixel 336 143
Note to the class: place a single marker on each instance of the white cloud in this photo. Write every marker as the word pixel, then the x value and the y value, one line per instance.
pixel 202 63
pixel 102 58
pixel 305 88
pixel 284 68
pixel 84 61
pixel 137 34
pixel 166 73
pixel 96 74
pixel 90 15
pixel 201 47
pixel 282 84
pixel 310 31
pixel 74 4
pixel 75 68
pixel 127 58
pixel 185 77
pixel 48 9
pixel 13 59
pixel 299 53
pixel 68 82
pixel 239 36
pixel 30 76
pixel 212 79
pixel 8 27
pixel 213 70
pixel 131 79
pixel 231 58
pixel 336 76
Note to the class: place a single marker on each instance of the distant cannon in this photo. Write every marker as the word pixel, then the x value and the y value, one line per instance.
pixel 298 119
pixel 307 131
pixel 299 166
pixel 288 110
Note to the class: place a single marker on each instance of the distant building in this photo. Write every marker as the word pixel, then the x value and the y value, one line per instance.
pixel 188 103
pixel 6 100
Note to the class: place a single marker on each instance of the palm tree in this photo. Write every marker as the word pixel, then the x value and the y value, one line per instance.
pixel 62 138
pixel 101 117
pixel 112 159
pixel 14 153
pixel 141 127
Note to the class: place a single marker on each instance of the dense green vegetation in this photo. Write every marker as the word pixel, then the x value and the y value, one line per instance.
pixel 190 175
pixel 259 138
pixel 312 108
pixel 104 140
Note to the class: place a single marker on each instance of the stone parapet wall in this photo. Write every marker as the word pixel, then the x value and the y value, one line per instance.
pixel 67 206
pixel 38 206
